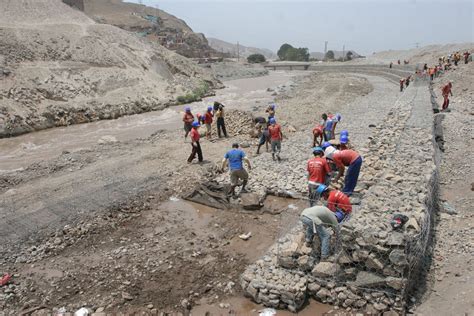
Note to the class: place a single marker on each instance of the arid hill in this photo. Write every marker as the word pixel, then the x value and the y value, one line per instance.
pixel 59 67
pixel 152 23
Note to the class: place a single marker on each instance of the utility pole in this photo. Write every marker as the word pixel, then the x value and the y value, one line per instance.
pixel 344 52
pixel 325 49
pixel 238 52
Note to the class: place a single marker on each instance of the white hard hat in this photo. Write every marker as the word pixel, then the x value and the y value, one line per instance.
pixel 329 152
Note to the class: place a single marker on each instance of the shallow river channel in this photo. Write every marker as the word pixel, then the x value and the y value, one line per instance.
pixel 19 152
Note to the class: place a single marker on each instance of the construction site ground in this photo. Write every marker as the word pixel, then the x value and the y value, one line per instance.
pixel 104 226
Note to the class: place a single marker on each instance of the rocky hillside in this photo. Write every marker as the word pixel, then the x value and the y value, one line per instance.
pixel 244 51
pixel 59 67
pixel 152 23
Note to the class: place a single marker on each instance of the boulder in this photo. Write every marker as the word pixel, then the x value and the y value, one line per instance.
pixel 323 293
pixel 373 263
pixel 367 279
pixel 250 201
pixel 395 283
pixel 325 269
pixel 398 257
pixel 396 239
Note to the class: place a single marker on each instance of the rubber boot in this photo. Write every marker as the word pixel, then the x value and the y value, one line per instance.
pixel 243 190
pixel 231 191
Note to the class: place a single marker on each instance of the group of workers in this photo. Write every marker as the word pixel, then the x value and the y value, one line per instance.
pixel 444 64
pixel 331 160
pixel 191 125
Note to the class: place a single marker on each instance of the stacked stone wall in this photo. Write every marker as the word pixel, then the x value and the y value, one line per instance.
pixel 374 267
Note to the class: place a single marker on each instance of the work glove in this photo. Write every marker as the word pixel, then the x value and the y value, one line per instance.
pixel 340 215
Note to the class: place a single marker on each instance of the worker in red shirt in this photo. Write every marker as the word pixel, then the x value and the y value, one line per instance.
pixel 337 201
pixel 276 136
pixel 346 158
pixel 194 134
pixel 402 82
pixel 446 91
pixel 466 57
pixel 188 120
pixel 318 170
pixel 317 135
pixel 208 118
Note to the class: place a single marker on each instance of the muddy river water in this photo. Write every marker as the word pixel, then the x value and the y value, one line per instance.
pixel 19 152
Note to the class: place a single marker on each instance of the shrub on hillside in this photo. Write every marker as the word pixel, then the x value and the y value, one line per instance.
pixel 196 95
pixel 256 58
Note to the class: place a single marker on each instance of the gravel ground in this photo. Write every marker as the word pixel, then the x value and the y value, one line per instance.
pixel 452 273
pixel 117 218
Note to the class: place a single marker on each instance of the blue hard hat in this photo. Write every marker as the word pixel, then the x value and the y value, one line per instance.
pixel 187 109
pixel 317 149
pixel 345 132
pixel 273 105
pixel 326 145
pixel 344 139
pixel 209 108
pixel 338 117
pixel 272 121
pixel 195 124
pixel 321 189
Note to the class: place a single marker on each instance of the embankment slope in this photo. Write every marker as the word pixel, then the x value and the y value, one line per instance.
pixel 59 67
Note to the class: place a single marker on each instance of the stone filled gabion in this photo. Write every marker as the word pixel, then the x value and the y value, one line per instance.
pixel 373 265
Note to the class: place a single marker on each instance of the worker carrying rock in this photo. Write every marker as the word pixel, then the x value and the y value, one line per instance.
pixel 195 136
pixel 318 135
pixel 235 158
pixel 271 111
pixel 330 126
pixel 276 136
pixel 219 114
pixel 318 171
pixel 446 92
pixel 208 119
pixel 261 126
pixel 345 158
pixel 188 119
pixel 314 220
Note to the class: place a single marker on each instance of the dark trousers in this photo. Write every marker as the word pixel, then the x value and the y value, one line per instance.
pixel 221 126
pixel 352 175
pixel 196 150
pixel 445 102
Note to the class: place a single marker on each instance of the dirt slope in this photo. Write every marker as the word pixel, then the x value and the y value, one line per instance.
pixel 140 18
pixel 244 51
pixel 452 269
pixel 59 67
pixel 425 54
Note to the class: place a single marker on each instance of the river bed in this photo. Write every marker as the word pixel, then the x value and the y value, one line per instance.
pixel 21 151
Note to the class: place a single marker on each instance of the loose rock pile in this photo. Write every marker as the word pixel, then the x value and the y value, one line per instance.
pixel 374 267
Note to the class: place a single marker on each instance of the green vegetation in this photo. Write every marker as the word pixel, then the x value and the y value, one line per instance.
pixel 196 95
pixel 256 58
pixel 329 55
pixel 290 53
pixel 349 55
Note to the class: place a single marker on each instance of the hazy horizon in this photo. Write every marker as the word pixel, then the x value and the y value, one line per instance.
pixel 362 26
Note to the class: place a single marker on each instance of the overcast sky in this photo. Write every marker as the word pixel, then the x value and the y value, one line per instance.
pixel 363 26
